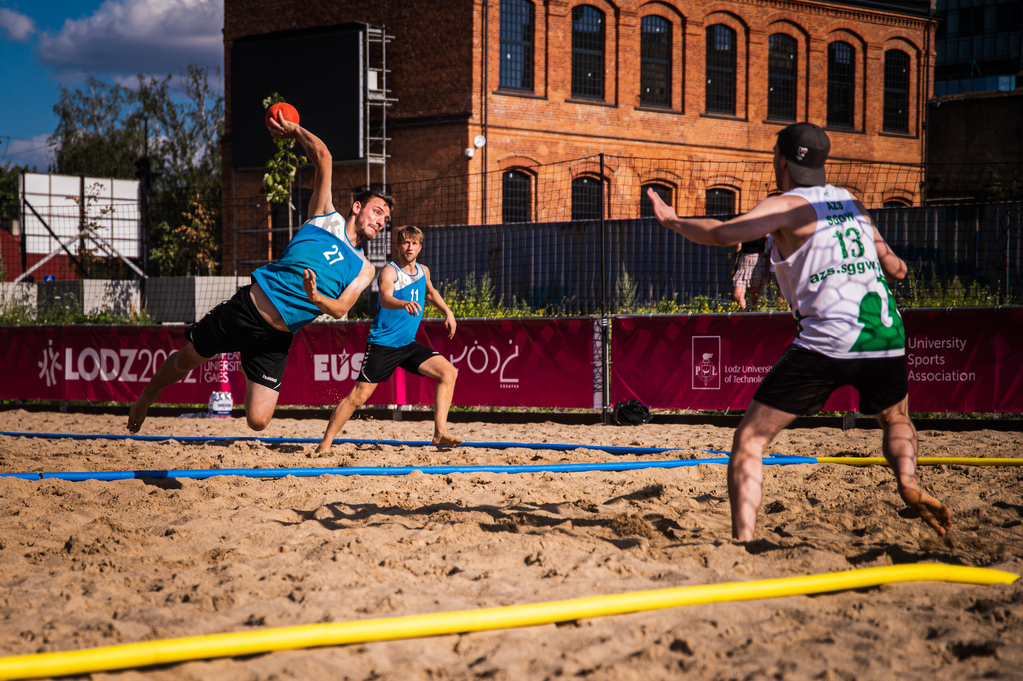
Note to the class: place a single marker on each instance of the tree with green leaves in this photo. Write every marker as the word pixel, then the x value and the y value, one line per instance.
pixel 281 169
pixel 9 172
pixel 102 131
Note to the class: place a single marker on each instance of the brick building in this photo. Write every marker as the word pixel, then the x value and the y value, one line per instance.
pixel 677 81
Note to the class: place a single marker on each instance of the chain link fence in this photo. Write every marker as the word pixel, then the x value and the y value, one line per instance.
pixel 574 237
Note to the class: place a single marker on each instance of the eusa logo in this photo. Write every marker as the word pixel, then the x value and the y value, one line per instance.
pixel 337 366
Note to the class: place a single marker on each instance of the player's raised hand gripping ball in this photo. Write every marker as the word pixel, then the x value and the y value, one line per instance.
pixel 290 113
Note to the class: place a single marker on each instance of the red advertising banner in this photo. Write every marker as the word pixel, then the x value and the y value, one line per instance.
pixel 33 361
pixel 958 360
pixel 965 360
pixel 527 362
pixel 501 363
pixel 513 363
pixel 699 361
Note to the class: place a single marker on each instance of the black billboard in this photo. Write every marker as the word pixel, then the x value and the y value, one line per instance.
pixel 319 71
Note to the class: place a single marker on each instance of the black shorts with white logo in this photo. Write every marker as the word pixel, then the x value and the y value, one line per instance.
pixel 801 381
pixel 380 361
pixel 236 326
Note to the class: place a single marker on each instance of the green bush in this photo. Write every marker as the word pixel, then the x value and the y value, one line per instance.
pixel 478 300
pixel 922 288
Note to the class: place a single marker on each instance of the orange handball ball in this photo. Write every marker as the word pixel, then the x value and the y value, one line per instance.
pixel 290 113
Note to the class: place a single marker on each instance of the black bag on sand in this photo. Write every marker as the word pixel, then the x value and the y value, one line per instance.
pixel 631 413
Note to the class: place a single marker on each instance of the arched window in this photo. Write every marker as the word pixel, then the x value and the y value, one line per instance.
pixel 517 27
pixel 720 201
pixel 896 91
pixel 895 203
pixel 516 196
pixel 720 69
pixel 587 52
pixel 781 77
pixel 655 61
pixel 841 85
pixel 586 198
pixel 646 206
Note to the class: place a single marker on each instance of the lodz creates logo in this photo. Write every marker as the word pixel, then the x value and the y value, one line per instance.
pixel 479 359
pixel 707 369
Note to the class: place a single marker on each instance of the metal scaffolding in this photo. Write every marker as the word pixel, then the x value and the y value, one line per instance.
pixel 376 101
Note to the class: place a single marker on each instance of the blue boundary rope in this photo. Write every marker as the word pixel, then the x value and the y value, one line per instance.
pixel 377 470
pixel 391 470
pixel 396 443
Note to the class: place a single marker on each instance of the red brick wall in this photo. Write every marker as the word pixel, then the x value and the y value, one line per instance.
pixel 436 61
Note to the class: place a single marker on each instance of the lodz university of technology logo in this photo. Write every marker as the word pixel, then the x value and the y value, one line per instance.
pixel 706 362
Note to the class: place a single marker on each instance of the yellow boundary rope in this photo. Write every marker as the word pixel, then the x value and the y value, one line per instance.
pixel 922 461
pixel 362 631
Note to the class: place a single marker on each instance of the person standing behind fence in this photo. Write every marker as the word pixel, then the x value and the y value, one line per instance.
pixel 404 285
pixel 832 266
pixel 322 271
pixel 750 273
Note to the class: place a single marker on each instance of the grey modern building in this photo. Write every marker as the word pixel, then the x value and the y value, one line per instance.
pixel 978 46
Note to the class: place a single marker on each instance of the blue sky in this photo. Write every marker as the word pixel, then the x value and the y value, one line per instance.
pixel 48 43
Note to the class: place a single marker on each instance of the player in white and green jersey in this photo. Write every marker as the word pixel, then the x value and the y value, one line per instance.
pixel 833 267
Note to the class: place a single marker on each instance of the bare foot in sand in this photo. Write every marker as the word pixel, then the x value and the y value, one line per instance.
pixel 445 441
pixel 931 511
pixel 137 415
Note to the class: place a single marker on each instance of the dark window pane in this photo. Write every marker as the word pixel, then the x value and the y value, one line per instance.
pixel 517 44
pixel 646 206
pixel 655 61
pixel 781 77
pixel 720 201
pixel 586 198
pixel 895 203
pixel 896 91
pixel 516 197
pixel 587 52
pixel 720 70
pixel 841 85
pixel 978 20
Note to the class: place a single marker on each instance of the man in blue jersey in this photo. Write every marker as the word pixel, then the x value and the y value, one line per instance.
pixel 322 271
pixel 404 285
pixel 833 267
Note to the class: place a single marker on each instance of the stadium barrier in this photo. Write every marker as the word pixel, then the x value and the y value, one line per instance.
pixel 959 360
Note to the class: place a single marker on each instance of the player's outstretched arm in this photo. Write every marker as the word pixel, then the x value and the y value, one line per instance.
pixel 321 202
pixel 773 214
pixel 388 278
pixel 339 307
pixel 699 231
pixel 434 298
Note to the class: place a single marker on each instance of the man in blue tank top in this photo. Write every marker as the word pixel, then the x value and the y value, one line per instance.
pixel 322 271
pixel 833 267
pixel 404 285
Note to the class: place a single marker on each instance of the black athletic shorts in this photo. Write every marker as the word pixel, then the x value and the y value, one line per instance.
pixel 380 361
pixel 236 326
pixel 802 380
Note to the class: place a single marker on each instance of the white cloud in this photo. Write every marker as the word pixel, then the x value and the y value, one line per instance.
pixel 129 36
pixel 18 26
pixel 33 152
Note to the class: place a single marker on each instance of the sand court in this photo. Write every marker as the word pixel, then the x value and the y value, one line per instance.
pixel 95 563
